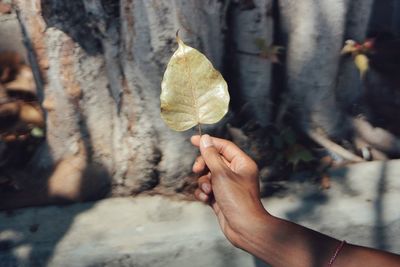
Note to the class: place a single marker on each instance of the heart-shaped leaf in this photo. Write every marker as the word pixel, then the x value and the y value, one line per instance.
pixel 192 91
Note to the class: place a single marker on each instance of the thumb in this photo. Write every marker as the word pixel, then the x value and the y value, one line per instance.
pixel 211 155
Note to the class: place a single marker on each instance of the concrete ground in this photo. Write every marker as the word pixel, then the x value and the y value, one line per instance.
pixel 362 207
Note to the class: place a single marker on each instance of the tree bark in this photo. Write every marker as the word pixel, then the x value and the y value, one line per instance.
pixel 102 63
pixel 253 72
pixel 316 31
pixel 99 63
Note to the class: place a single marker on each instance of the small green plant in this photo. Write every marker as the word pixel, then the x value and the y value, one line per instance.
pixel 289 149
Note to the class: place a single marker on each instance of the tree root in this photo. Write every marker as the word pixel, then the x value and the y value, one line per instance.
pixel 377 137
pixel 372 153
pixel 325 142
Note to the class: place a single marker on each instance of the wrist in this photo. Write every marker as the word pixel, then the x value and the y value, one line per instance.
pixel 254 228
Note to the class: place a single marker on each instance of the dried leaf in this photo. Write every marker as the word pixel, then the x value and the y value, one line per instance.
pixel 350 47
pixel 362 64
pixel 358 53
pixel 192 91
pixel 270 52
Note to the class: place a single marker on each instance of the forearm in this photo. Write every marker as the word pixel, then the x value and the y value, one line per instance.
pixel 234 184
pixel 282 243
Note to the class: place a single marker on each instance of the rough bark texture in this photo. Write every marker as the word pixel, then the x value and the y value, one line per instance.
pixel 316 31
pixel 10 34
pixel 102 63
pixel 99 64
pixel 349 89
pixel 249 24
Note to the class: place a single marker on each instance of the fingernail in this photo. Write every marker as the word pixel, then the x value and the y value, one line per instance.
pixel 206 188
pixel 203 196
pixel 206 141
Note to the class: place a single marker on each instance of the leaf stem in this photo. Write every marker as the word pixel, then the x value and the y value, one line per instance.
pixel 200 129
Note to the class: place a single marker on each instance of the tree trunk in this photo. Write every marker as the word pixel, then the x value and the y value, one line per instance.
pixel 99 63
pixel 102 63
pixel 316 32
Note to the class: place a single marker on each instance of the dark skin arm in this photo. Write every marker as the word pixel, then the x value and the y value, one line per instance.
pixel 229 183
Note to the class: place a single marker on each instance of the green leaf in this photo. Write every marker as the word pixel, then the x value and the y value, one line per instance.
pixel 261 43
pixel 192 91
pixel 299 153
pixel 37 132
pixel 289 136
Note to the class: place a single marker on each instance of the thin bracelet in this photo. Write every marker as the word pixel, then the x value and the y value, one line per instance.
pixel 338 249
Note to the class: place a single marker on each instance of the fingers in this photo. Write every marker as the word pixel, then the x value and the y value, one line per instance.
pixel 204 190
pixel 226 148
pixel 211 155
pixel 199 165
pixel 204 184
pixel 244 165
pixel 201 196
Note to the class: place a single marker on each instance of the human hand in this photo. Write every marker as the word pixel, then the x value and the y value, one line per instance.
pixel 229 183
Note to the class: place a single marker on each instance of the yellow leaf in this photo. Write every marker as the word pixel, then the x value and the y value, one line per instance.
pixel 362 64
pixel 192 91
pixel 350 47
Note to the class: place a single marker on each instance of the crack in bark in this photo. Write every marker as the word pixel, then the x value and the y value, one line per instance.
pixel 71 18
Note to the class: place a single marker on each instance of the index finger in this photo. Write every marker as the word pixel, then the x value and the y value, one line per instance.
pixel 226 148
